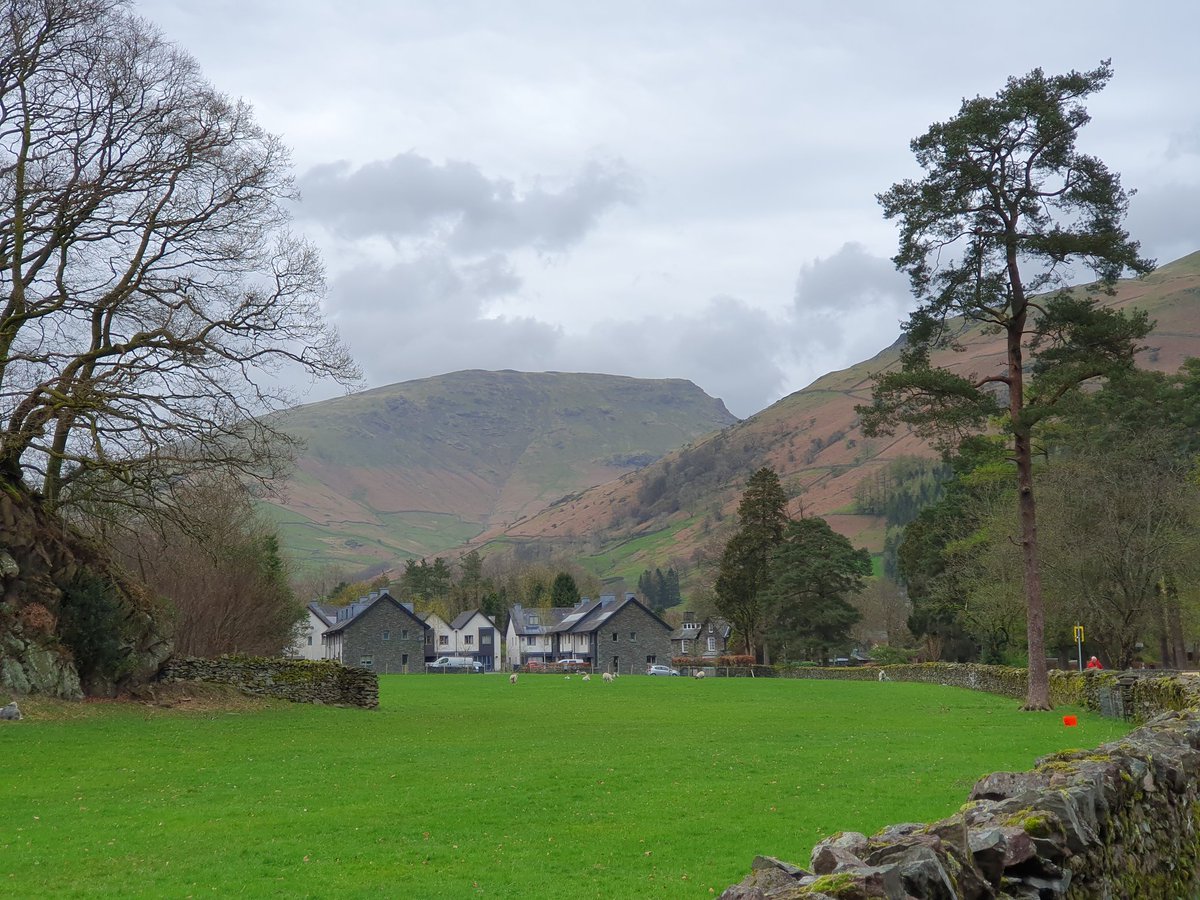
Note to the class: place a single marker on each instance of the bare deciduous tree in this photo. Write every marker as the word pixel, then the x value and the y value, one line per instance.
pixel 223 574
pixel 152 301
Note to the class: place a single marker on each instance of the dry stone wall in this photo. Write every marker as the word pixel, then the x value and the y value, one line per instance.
pixel 298 680
pixel 1119 821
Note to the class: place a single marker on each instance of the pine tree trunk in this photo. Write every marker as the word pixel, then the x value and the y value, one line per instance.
pixel 1038 696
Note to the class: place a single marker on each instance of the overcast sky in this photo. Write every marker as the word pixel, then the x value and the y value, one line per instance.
pixel 660 189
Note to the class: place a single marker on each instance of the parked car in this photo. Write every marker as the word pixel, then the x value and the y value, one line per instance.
pixel 574 665
pixel 455 664
pixel 661 670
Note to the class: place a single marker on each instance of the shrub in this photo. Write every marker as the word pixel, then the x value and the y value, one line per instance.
pixel 892 656
pixel 90 626
pixel 738 661
pixel 36 619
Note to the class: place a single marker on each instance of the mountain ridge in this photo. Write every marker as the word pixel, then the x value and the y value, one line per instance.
pixel 812 439
pixel 423 466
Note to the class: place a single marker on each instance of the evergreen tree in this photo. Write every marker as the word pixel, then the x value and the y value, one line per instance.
pixel 744 572
pixel 671 594
pixel 1007 206
pixel 813 572
pixel 564 591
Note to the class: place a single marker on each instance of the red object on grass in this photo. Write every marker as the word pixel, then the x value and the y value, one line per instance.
pixel 1070 721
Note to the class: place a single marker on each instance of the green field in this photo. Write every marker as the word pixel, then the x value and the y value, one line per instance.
pixel 469 786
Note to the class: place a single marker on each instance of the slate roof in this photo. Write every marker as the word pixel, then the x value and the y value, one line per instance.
pixel 547 618
pixel 324 611
pixel 590 615
pixel 365 603
pixel 463 618
pixel 691 631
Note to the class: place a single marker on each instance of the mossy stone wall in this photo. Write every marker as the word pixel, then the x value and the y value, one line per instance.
pixel 298 680
pixel 1120 821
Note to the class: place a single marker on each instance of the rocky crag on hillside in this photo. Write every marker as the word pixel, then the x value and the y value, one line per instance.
pixel 70 623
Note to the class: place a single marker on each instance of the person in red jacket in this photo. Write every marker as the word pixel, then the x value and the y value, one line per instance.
pixel 1094 663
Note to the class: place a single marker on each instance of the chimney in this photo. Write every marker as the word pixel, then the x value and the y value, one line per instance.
pixel 689 618
pixel 407 605
pixel 374 595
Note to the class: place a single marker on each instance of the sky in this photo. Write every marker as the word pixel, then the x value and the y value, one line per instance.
pixel 661 189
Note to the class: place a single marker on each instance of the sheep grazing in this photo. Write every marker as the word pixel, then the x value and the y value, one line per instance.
pixel 566 678
pixel 11 713
pixel 699 673
pixel 512 679
pixel 587 677
pixel 608 677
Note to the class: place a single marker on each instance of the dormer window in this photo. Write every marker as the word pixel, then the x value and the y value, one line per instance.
pixel 534 620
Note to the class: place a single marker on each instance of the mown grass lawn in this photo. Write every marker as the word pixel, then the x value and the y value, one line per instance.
pixel 467 786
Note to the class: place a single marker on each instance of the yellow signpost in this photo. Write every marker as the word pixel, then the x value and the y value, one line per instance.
pixel 1079 644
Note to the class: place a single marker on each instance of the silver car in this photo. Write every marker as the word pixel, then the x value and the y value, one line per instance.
pixel 661 670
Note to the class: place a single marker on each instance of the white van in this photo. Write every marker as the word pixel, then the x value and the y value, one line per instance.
pixel 455 664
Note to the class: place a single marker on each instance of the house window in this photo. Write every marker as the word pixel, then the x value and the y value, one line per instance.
pixel 651 660
pixel 310 640
pixel 468 639
pixel 443 640
pixel 404 659
pixel 533 620
pixel 387 635
pixel 683 647
pixel 614 635
pixel 712 645
pixel 404 634
pixel 366 662
pixel 710 627
pixel 633 635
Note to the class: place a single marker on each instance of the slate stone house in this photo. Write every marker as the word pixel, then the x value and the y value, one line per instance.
pixel 377 632
pixel 614 635
pixel 698 639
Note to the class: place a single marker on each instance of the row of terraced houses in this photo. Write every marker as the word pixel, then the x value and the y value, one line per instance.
pixel 610 634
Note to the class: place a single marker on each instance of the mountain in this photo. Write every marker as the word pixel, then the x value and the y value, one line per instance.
pixel 670 510
pixel 416 468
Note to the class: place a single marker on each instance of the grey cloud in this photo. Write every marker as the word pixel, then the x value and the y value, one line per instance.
pixel 1183 143
pixel 1166 220
pixel 411 197
pixel 727 347
pixel 851 300
pixel 424 316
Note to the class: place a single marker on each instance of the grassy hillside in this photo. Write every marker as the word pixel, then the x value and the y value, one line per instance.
pixel 670 510
pixel 416 468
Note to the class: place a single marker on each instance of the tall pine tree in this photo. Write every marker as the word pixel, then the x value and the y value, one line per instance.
pixel 744 573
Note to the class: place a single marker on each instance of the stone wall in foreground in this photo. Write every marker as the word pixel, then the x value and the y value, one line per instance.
pixel 298 680
pixel 1120 821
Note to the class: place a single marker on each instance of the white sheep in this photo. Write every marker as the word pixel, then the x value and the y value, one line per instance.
pixel 566 678
pixel 608 677
pixel 587 677
pixel 699 673
pixel 512 679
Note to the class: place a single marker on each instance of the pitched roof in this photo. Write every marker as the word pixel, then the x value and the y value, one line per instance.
pixel 463 618
pixel 589 616
pixel 690 631
pixel 324 611
pixel 370 602
pixel 519 616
